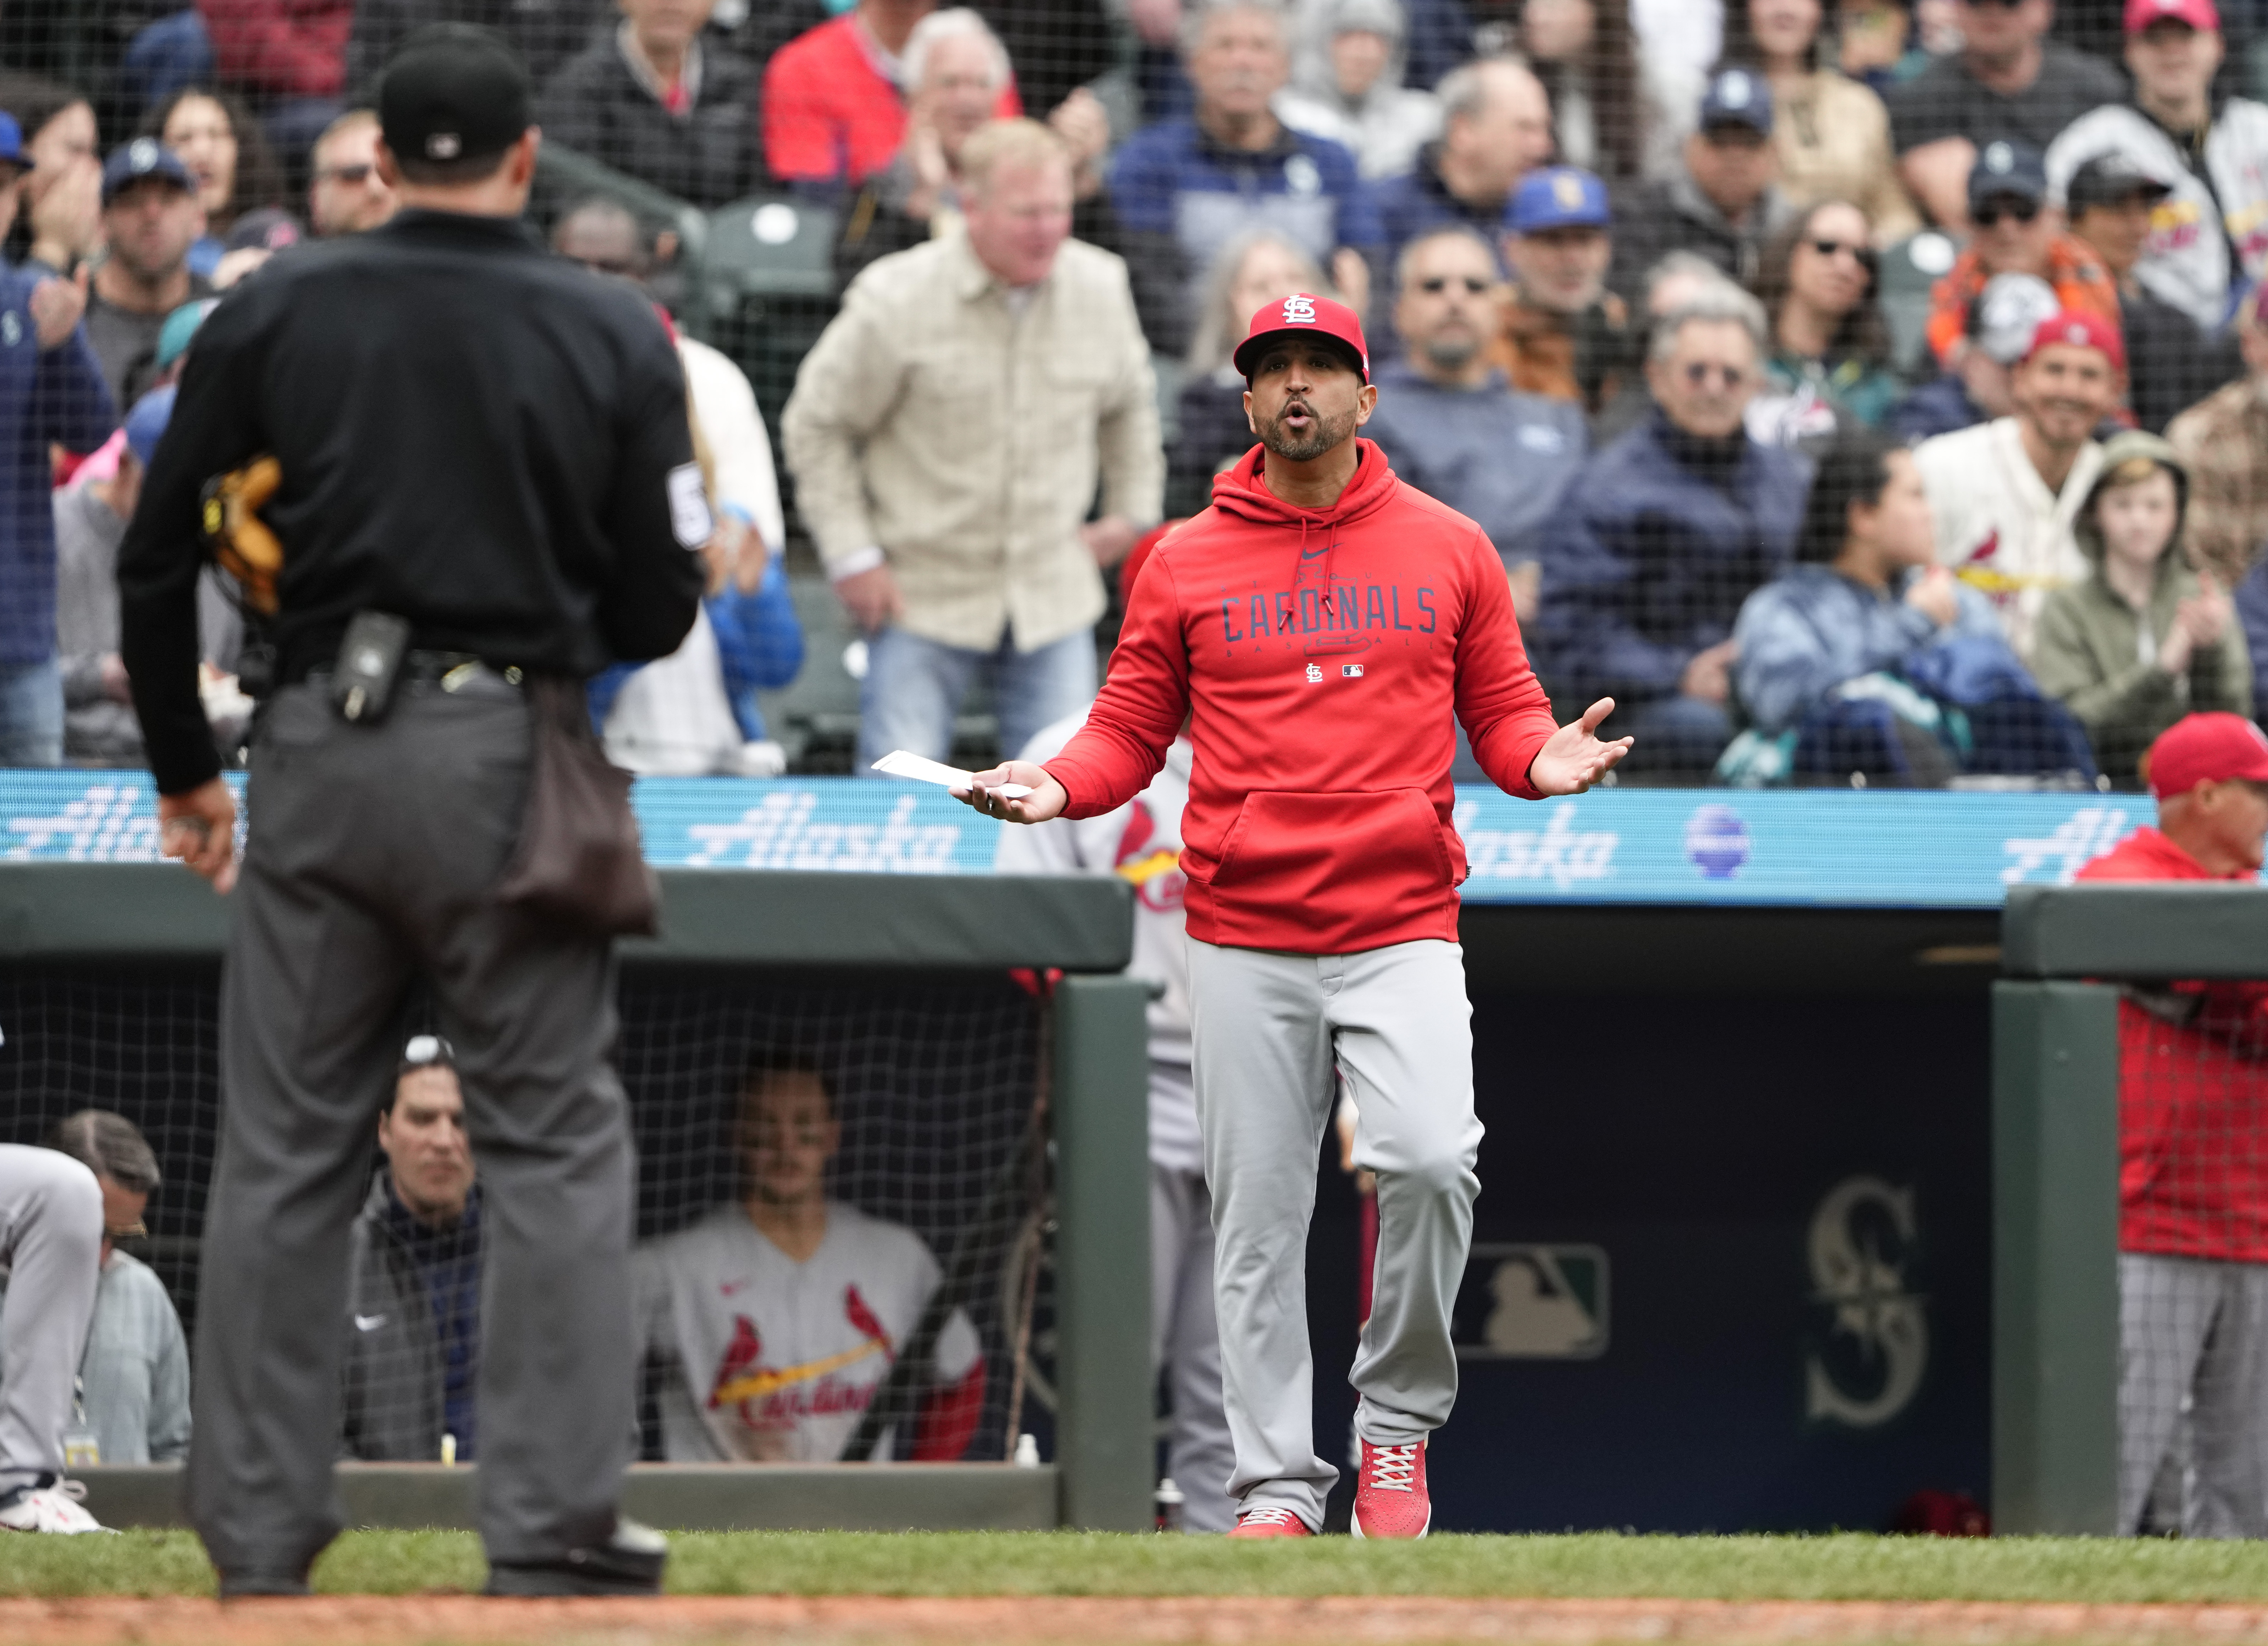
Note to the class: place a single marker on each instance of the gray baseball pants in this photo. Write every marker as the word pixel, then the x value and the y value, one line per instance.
pixel 2193 1357
pixel 1185 1339
pixel 373 851
pixel 51 1235
pixel 1269 1028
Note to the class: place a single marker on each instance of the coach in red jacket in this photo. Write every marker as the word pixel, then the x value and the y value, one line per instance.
pixel 2193 1161
pixel 1321 623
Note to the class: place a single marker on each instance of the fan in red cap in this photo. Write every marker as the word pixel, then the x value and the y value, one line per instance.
pixel 2078 329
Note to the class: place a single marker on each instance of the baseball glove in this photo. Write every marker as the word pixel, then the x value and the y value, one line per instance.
pixel 240 540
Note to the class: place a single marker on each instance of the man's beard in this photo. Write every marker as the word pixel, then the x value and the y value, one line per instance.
pixel 1328 432
pixel 1452 351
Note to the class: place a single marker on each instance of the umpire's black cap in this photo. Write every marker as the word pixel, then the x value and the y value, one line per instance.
pixel 455 92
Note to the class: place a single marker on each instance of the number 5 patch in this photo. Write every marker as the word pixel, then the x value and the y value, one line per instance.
pixel 688 505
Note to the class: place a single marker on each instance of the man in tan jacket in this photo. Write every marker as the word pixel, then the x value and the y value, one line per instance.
pixel 946 435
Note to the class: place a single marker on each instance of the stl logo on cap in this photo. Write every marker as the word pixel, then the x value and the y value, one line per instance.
pixel 1567 190
pixel 1299 310
pixel 1733 91
pixel 143 154
pixel 1998 158
pixel 2076 333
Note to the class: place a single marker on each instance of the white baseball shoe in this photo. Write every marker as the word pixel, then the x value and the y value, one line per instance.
pixel 48 1504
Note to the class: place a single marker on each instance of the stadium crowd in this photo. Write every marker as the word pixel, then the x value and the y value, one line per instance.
pixel 1633 277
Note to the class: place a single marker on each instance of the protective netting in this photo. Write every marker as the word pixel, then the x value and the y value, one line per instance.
pixel 2193 1260
pixel 1906 194
pixel 913 1308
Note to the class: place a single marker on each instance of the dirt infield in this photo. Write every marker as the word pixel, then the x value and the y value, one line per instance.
pixel 464 1621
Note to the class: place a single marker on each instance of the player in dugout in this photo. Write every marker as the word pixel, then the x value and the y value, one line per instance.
pixel 2193 1164
pixel 1324 628
pixel 778 1317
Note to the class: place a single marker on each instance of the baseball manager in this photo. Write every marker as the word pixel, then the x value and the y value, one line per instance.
pixel 1321 622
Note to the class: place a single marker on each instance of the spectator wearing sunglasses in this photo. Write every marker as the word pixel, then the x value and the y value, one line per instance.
pixel 2016 234
pixel 2207 237
pixel 1723 202
pixel 1662 536
pixel 2113 203
pixel 1829 364
pixel 345 195
pixel 1560 332
pixel 413 1325
pixel 1450 422
pixel 2008 83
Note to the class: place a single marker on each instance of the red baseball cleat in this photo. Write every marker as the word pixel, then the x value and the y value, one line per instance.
pixel 1390 1500
pixel 1269 1522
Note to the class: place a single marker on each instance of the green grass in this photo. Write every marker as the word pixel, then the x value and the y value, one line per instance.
pixel 1041 1563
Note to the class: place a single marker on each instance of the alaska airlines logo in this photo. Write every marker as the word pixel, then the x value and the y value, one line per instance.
pixel 1876 1348
pixel 2085 835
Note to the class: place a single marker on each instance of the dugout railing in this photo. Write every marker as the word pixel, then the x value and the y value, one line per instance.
pixel 2066 950
pixel 129 926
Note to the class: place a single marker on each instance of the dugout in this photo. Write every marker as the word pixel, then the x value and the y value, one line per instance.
pixel 1002 1119
pixel 1735 1246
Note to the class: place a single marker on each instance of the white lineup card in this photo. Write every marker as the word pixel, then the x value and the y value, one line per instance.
pixel 899 764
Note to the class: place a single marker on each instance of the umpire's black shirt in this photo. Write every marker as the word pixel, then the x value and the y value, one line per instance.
pixel 475 435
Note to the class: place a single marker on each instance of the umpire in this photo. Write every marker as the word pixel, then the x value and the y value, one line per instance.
pixel 492 446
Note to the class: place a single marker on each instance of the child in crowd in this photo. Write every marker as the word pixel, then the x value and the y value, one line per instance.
pixel 2146 639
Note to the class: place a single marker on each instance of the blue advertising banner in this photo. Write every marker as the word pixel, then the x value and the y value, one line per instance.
pixel 1913 850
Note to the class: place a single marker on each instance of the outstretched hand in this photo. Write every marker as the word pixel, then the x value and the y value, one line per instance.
pixel 1046 799
pixel 1575 758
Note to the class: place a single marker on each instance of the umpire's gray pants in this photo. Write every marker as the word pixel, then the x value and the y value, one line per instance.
pixel 51 1238
pixel 2193 1339
pixel 1185 1341
pixel 1268 1028
pixel 374 850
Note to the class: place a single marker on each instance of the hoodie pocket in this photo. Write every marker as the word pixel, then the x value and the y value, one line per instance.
pixel 1291 848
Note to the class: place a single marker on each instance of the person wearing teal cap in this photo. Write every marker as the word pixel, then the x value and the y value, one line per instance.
pixel 173 336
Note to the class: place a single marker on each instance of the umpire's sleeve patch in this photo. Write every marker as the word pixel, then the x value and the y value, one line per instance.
pixel 688 505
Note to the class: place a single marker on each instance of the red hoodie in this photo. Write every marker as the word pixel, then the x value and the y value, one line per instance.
pixel 2193 1095
pixel 1321 653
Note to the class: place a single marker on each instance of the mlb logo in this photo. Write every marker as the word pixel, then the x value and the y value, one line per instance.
pixel 1314 673
pixel 1351 671
pixel 1520 1300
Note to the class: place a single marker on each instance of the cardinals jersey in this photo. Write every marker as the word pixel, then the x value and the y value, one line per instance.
pixel 773 1361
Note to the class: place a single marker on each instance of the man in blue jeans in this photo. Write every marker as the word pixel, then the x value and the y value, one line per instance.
pixel 51 394
pixel 949 434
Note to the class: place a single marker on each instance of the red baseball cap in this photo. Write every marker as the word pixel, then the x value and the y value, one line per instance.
pixel 2198 14
pixel 2081 331
pixel 1303 313
pixel 2205 748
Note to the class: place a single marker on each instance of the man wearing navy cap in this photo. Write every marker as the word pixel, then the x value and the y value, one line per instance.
pixel 51 394
pixel 1561 334
pixel 150 215
pixel 488 482
pixel 1722 203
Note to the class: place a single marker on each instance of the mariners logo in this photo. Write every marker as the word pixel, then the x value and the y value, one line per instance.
pixel 1868 1365
pixel 1298 311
